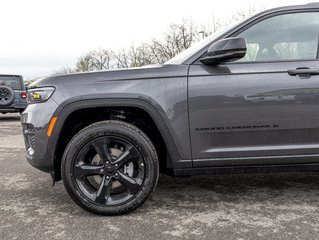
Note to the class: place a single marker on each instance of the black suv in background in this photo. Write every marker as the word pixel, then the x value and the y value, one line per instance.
pixel 242 100
pixel 13 96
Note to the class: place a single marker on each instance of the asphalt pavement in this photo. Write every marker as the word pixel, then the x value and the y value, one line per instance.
pixel 246 206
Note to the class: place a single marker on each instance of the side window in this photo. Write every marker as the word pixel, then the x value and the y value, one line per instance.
pixel 284 37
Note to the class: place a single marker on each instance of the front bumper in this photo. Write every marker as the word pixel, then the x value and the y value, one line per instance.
pixel 35 120
pixel 41 163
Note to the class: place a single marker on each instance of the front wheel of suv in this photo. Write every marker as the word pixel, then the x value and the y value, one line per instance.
pixel 110 168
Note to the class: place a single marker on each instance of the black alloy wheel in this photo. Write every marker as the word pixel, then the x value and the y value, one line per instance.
pixel 110 168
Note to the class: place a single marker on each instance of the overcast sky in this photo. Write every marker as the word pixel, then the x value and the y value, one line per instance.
pixel 39 37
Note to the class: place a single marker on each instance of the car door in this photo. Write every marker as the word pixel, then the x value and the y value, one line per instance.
pixel 264 108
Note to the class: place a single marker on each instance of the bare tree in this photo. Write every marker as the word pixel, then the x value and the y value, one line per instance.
pixel 246 13
pixel 101 59
pixel 84 63
pixel 95 60
pixel 64 70
pixel 122 59
pixel 211 27
pixel 140 56
pixel 178 38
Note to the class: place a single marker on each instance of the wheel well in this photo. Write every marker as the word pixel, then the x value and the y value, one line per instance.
pixel 82 118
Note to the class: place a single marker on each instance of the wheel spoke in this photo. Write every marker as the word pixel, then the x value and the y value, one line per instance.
pixel 102 149
pixel 109 158
pixel 82 155
pixel 88 170
pixel 132 185
pixel 129 154
pixel 103 193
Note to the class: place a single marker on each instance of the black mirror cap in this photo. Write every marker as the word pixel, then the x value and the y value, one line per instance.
pixel 225 50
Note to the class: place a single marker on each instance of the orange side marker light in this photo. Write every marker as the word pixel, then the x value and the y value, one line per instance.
pixel 51 126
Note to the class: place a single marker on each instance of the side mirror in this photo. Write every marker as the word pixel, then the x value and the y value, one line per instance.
pixel 225 50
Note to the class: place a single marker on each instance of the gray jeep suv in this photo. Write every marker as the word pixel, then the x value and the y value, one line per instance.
pixel 243 100
pixel 13 96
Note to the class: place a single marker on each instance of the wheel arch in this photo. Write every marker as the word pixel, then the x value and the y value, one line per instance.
pixel 66 110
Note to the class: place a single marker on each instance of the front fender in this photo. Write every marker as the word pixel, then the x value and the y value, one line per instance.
pixel 156 113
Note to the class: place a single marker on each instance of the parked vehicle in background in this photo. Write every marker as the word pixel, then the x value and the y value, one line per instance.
pixel 242 100
pixel 13 96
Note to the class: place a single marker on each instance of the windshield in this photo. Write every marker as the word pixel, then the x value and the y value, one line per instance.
pixel 13 82
pixel 183 56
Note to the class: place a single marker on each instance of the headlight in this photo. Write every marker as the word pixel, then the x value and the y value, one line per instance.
pixel 38 95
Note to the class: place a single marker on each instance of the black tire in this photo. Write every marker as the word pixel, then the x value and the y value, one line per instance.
pixel 6 96
pixel 96 140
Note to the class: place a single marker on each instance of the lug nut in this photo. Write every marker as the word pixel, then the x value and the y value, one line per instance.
pixel 101 170
pixel 107 162
pixel 116 174
pixel 107 177
pixel 116 165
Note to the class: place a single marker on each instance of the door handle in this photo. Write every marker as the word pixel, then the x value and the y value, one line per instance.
pixel 303 72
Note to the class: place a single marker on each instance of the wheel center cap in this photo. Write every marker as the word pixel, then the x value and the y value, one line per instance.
pixel 109 169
